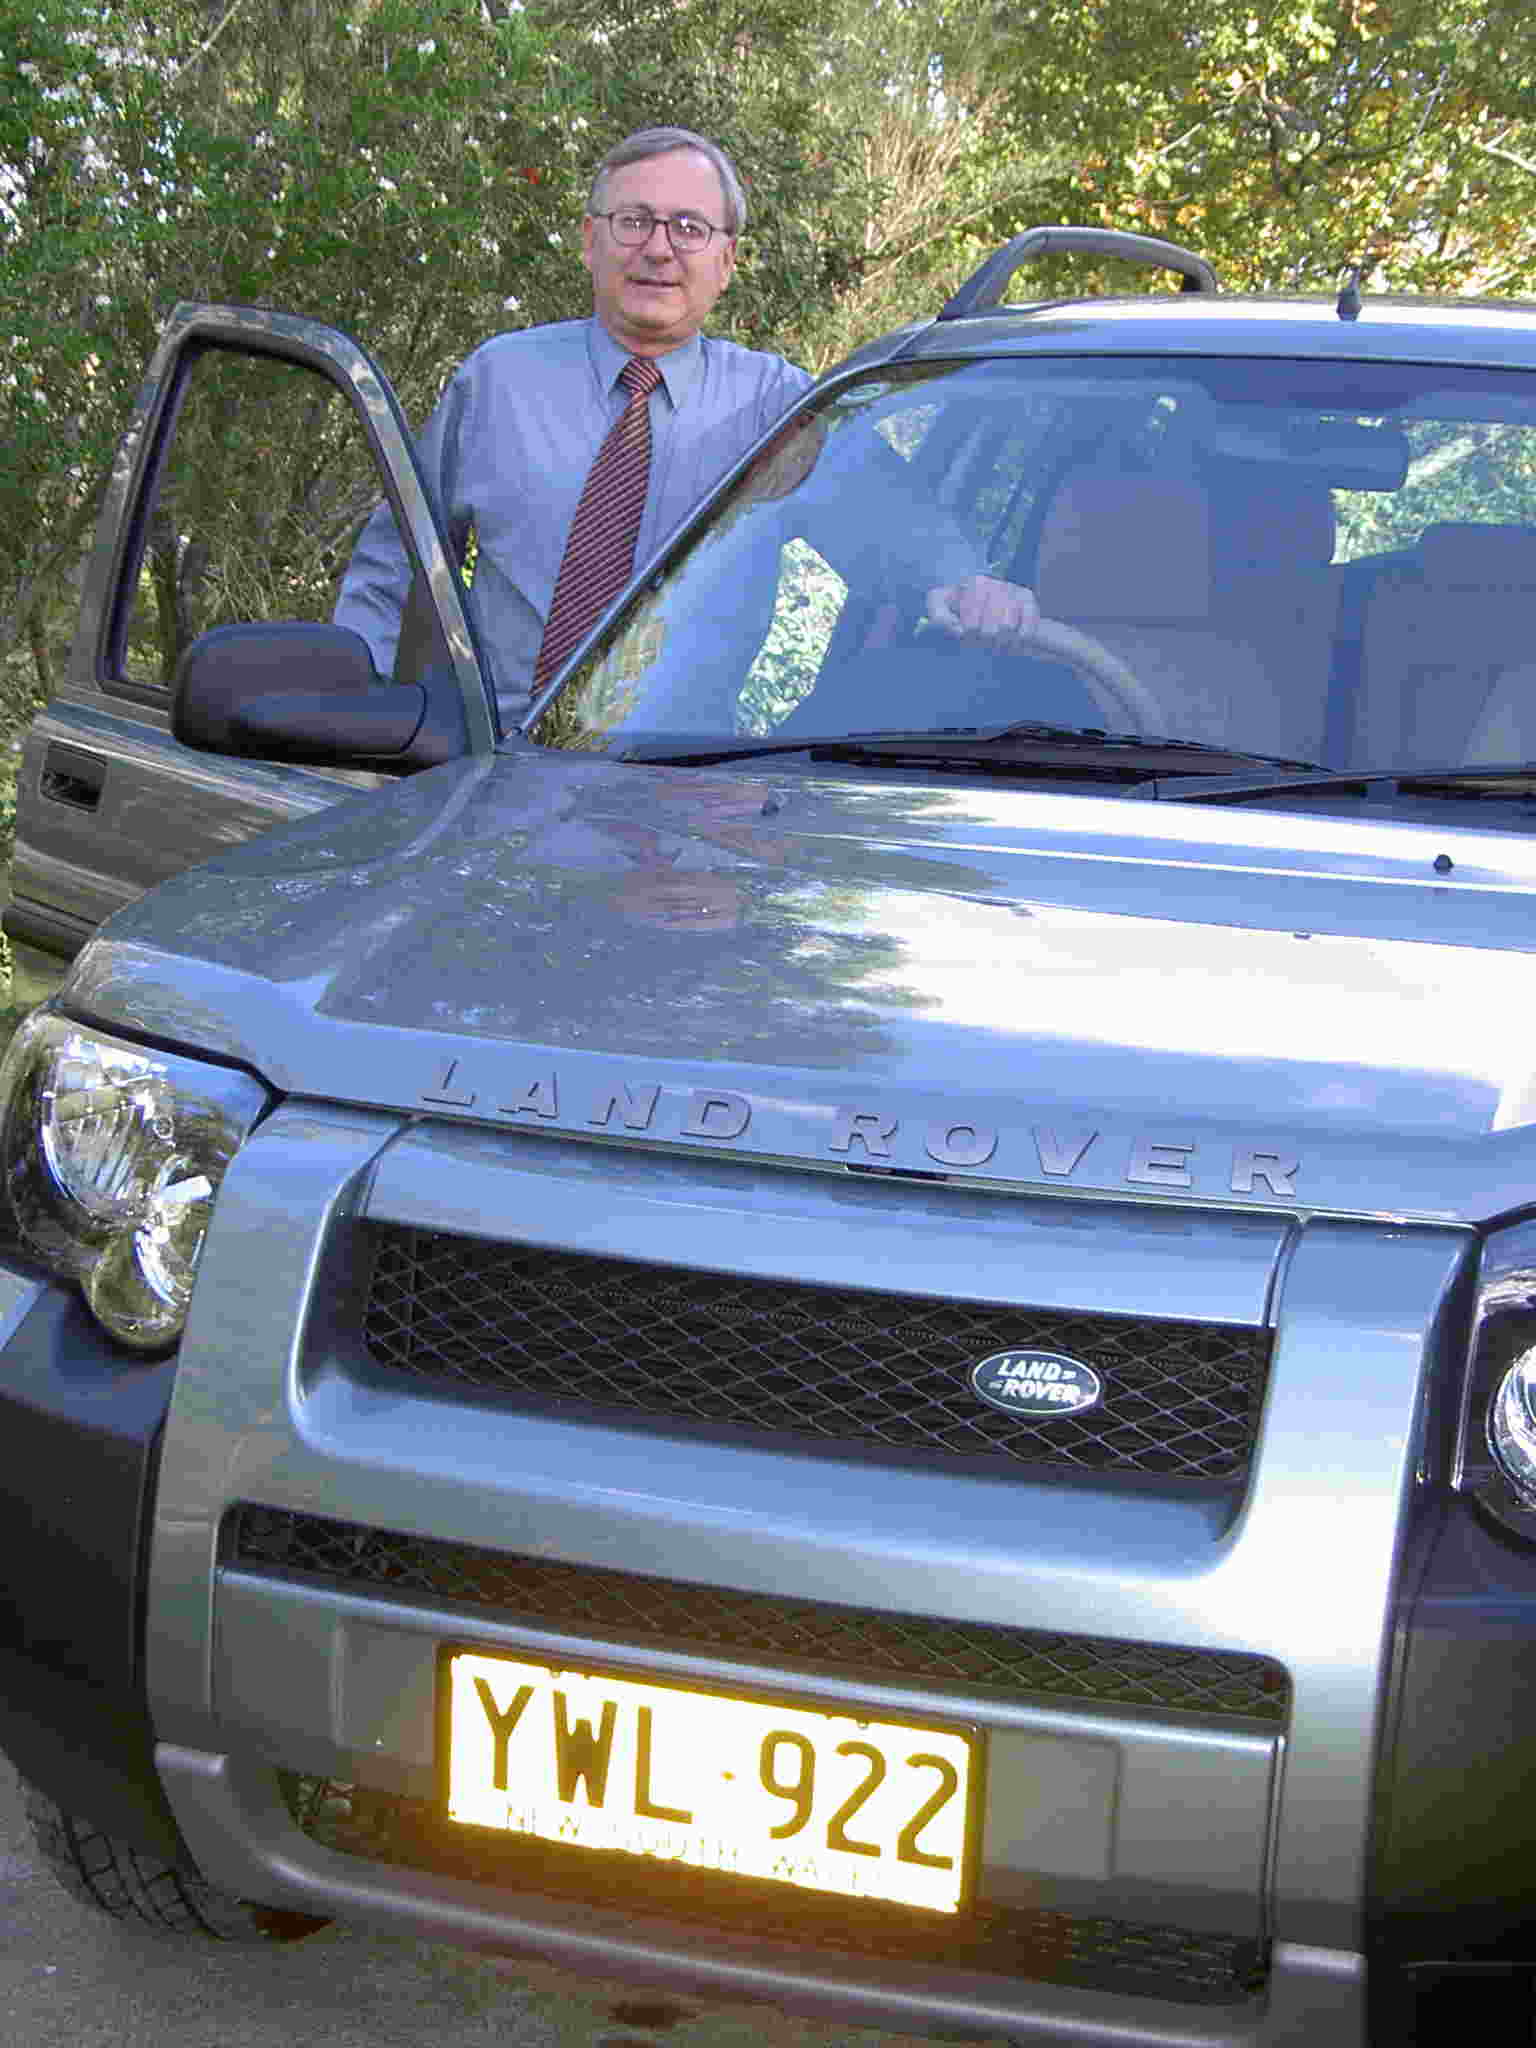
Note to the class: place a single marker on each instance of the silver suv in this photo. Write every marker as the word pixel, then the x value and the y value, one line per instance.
pixel 751 1334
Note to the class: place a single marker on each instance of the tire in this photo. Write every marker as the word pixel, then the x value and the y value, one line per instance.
pixel 127 1884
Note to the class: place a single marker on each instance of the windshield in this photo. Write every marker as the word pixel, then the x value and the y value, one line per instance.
pixel 1329 562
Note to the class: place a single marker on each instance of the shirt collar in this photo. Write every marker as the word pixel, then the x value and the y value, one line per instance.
pixel 680 367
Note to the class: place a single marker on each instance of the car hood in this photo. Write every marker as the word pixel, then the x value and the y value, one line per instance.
pixel 1256 1007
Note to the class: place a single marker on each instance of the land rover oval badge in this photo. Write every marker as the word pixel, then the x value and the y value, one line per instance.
pixel 1037 1384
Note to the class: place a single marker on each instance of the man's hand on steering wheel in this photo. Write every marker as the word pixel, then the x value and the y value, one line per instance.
pixel 991 613
pixel 985 608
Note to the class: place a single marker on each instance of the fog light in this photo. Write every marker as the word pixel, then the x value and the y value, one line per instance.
pixel 1512 1427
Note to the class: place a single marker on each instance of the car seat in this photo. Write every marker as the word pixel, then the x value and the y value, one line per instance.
pixel 1448 647
pixel 1127 559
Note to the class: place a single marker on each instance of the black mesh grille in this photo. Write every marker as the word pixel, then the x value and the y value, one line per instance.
pixel 1095 1952
pixel 1181 1399
pixel 845 1642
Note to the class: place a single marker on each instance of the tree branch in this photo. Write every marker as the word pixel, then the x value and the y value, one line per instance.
pixel 207 44
pixel 1508 156
pixel 945 227
pixel 17 621
pixel 42 660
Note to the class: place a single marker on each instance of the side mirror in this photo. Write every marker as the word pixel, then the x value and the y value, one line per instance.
pixel 309 693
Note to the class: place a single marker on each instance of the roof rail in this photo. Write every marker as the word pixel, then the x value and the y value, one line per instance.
pixel 983 289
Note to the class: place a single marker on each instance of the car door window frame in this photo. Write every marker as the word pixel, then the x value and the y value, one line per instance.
pixel 129 506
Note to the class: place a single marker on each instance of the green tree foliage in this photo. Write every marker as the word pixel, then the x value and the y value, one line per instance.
pixel 363 163
pixel 411 170
pixel 414 170
pixel 1290 140
pixel 866 159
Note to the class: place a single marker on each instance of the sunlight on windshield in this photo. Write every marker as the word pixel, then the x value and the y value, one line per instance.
pixel 1328 561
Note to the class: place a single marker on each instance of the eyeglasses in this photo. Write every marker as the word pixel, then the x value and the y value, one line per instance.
pixel 633 227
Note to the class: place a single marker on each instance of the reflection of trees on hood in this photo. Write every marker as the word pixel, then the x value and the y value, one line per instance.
pixel 656 911
pixel 388 824
pixel 562 959
pixel 571 968
pixel 129 989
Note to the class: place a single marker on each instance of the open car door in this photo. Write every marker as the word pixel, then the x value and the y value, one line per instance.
pixel 259 444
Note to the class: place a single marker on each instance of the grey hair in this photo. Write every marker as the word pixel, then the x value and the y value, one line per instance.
pixel 649 142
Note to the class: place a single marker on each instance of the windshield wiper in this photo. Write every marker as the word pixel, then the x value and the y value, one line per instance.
pixel 878 739
pixel 1465 783
pixel 1032 743
pixel 1026 728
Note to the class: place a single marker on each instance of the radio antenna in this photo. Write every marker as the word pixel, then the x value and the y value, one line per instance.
pixel 1348 307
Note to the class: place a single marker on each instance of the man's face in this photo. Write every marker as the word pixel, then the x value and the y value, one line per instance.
pixel 651 299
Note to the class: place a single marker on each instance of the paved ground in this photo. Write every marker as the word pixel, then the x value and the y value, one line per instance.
pixel 71 1978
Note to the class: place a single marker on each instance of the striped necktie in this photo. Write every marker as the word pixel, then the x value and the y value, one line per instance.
pixel 601 549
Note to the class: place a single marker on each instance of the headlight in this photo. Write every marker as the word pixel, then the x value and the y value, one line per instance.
pixel 1512 1427
pixel 110 1157
pixel 1495 1458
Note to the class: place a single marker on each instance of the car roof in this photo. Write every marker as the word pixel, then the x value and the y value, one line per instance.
pixel 1400 328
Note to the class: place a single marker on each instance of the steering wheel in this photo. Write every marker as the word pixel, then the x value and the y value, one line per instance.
pixel 1124 698
pixel 1118 692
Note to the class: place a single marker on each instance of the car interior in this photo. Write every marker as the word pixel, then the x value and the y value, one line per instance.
pixel 1332 563
pixel 1260 609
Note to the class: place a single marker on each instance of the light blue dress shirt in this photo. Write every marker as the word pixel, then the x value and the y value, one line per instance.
pixel 508 449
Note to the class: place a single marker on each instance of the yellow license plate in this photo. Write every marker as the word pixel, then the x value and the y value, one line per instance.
pixel 827 1802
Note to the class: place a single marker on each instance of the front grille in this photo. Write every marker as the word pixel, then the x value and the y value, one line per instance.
pixel 1181 1399
pixel 1095 1952
pixel 847 1643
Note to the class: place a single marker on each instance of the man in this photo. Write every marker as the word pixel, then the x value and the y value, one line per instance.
pixel 512 440
pixel 515 436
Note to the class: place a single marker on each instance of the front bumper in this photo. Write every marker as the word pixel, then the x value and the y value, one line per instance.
pixel 1189 1829
pixel 1228 1735
pixel 243 1831
pixel 80 1425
